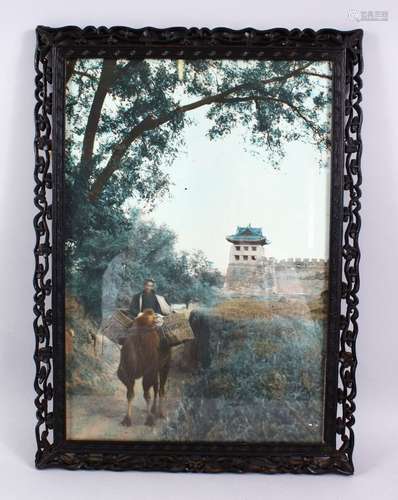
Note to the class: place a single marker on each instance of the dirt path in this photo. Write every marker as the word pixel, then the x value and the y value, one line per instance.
pixel 98 416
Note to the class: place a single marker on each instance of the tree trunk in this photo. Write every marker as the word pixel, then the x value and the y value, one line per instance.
pixel 105 81
pixel 69 69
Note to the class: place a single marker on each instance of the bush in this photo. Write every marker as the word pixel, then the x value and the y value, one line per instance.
pixel 262 379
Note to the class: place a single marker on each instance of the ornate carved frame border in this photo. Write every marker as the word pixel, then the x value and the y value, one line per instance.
pixel 344 49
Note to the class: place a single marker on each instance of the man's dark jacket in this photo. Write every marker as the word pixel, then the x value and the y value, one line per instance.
pixel 149 301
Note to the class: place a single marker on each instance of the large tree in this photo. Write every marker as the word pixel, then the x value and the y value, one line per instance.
pixel 129 115
pixel 125 123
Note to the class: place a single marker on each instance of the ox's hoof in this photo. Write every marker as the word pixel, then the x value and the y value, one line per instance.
pixel 126 421
pixel 160 414
pixel 150 420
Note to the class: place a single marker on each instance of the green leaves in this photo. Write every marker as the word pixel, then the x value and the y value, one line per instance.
pixel 125 124
pixel 147 106
pixel 110 253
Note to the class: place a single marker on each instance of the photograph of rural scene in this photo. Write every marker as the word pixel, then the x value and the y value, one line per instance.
pixel 197 213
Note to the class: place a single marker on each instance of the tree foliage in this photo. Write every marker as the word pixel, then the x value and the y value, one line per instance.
pixel 125 123
pixel 128 116
pixel 110 265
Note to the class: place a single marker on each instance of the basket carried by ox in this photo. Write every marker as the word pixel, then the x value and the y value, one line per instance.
pixel 146 352
pixel 175 328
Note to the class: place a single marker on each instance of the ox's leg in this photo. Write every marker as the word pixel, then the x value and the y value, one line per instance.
pixel 130 395
pixel 155 394
pixel 147 383
pixel 163 374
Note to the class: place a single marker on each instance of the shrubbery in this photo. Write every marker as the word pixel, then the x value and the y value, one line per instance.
pixel 260 379
pixel 106 267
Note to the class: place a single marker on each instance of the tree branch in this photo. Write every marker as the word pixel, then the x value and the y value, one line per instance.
pixel 256 98
pixel 105 79
pixel 151 122
pixel 109 75
pixel 69 69
pixel 300 114
pixel 312 73
pixel 85 74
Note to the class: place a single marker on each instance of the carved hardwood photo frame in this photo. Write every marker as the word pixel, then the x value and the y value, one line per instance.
pixel 72 52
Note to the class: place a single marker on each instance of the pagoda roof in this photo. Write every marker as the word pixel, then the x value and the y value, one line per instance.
pixel 248 234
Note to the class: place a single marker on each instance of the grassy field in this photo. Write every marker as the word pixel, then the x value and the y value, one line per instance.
pixel 262 374
pixel 241 308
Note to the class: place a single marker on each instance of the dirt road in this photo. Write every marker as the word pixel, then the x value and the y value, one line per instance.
pixel 98 416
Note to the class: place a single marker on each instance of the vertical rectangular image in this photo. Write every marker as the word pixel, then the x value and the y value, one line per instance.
pixel 197 244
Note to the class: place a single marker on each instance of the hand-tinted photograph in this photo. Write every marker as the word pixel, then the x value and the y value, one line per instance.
pixel 197 220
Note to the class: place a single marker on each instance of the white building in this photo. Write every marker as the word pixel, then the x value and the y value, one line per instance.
pixel 247 245
pixel 246 266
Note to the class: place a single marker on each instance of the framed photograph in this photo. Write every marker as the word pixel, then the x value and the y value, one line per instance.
pixel 196 265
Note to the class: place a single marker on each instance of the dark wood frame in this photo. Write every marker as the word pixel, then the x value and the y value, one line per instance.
pixel 54 46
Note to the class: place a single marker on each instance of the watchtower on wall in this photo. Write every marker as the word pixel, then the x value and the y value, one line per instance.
pixel 246 270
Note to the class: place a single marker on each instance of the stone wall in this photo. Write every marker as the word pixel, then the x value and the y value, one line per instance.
pixel 287 276
pixel 247 277
pixel 299 276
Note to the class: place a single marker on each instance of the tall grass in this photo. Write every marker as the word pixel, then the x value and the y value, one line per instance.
pixel 261 379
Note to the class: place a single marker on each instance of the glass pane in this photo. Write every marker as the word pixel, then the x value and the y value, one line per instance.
pixel 197 219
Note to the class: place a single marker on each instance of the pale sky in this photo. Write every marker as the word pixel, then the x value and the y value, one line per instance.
pixel 218 186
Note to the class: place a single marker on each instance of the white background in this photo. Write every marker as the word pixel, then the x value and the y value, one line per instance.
pixel 376 451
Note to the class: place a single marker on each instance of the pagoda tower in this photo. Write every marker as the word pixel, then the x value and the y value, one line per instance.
pixel 246 271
